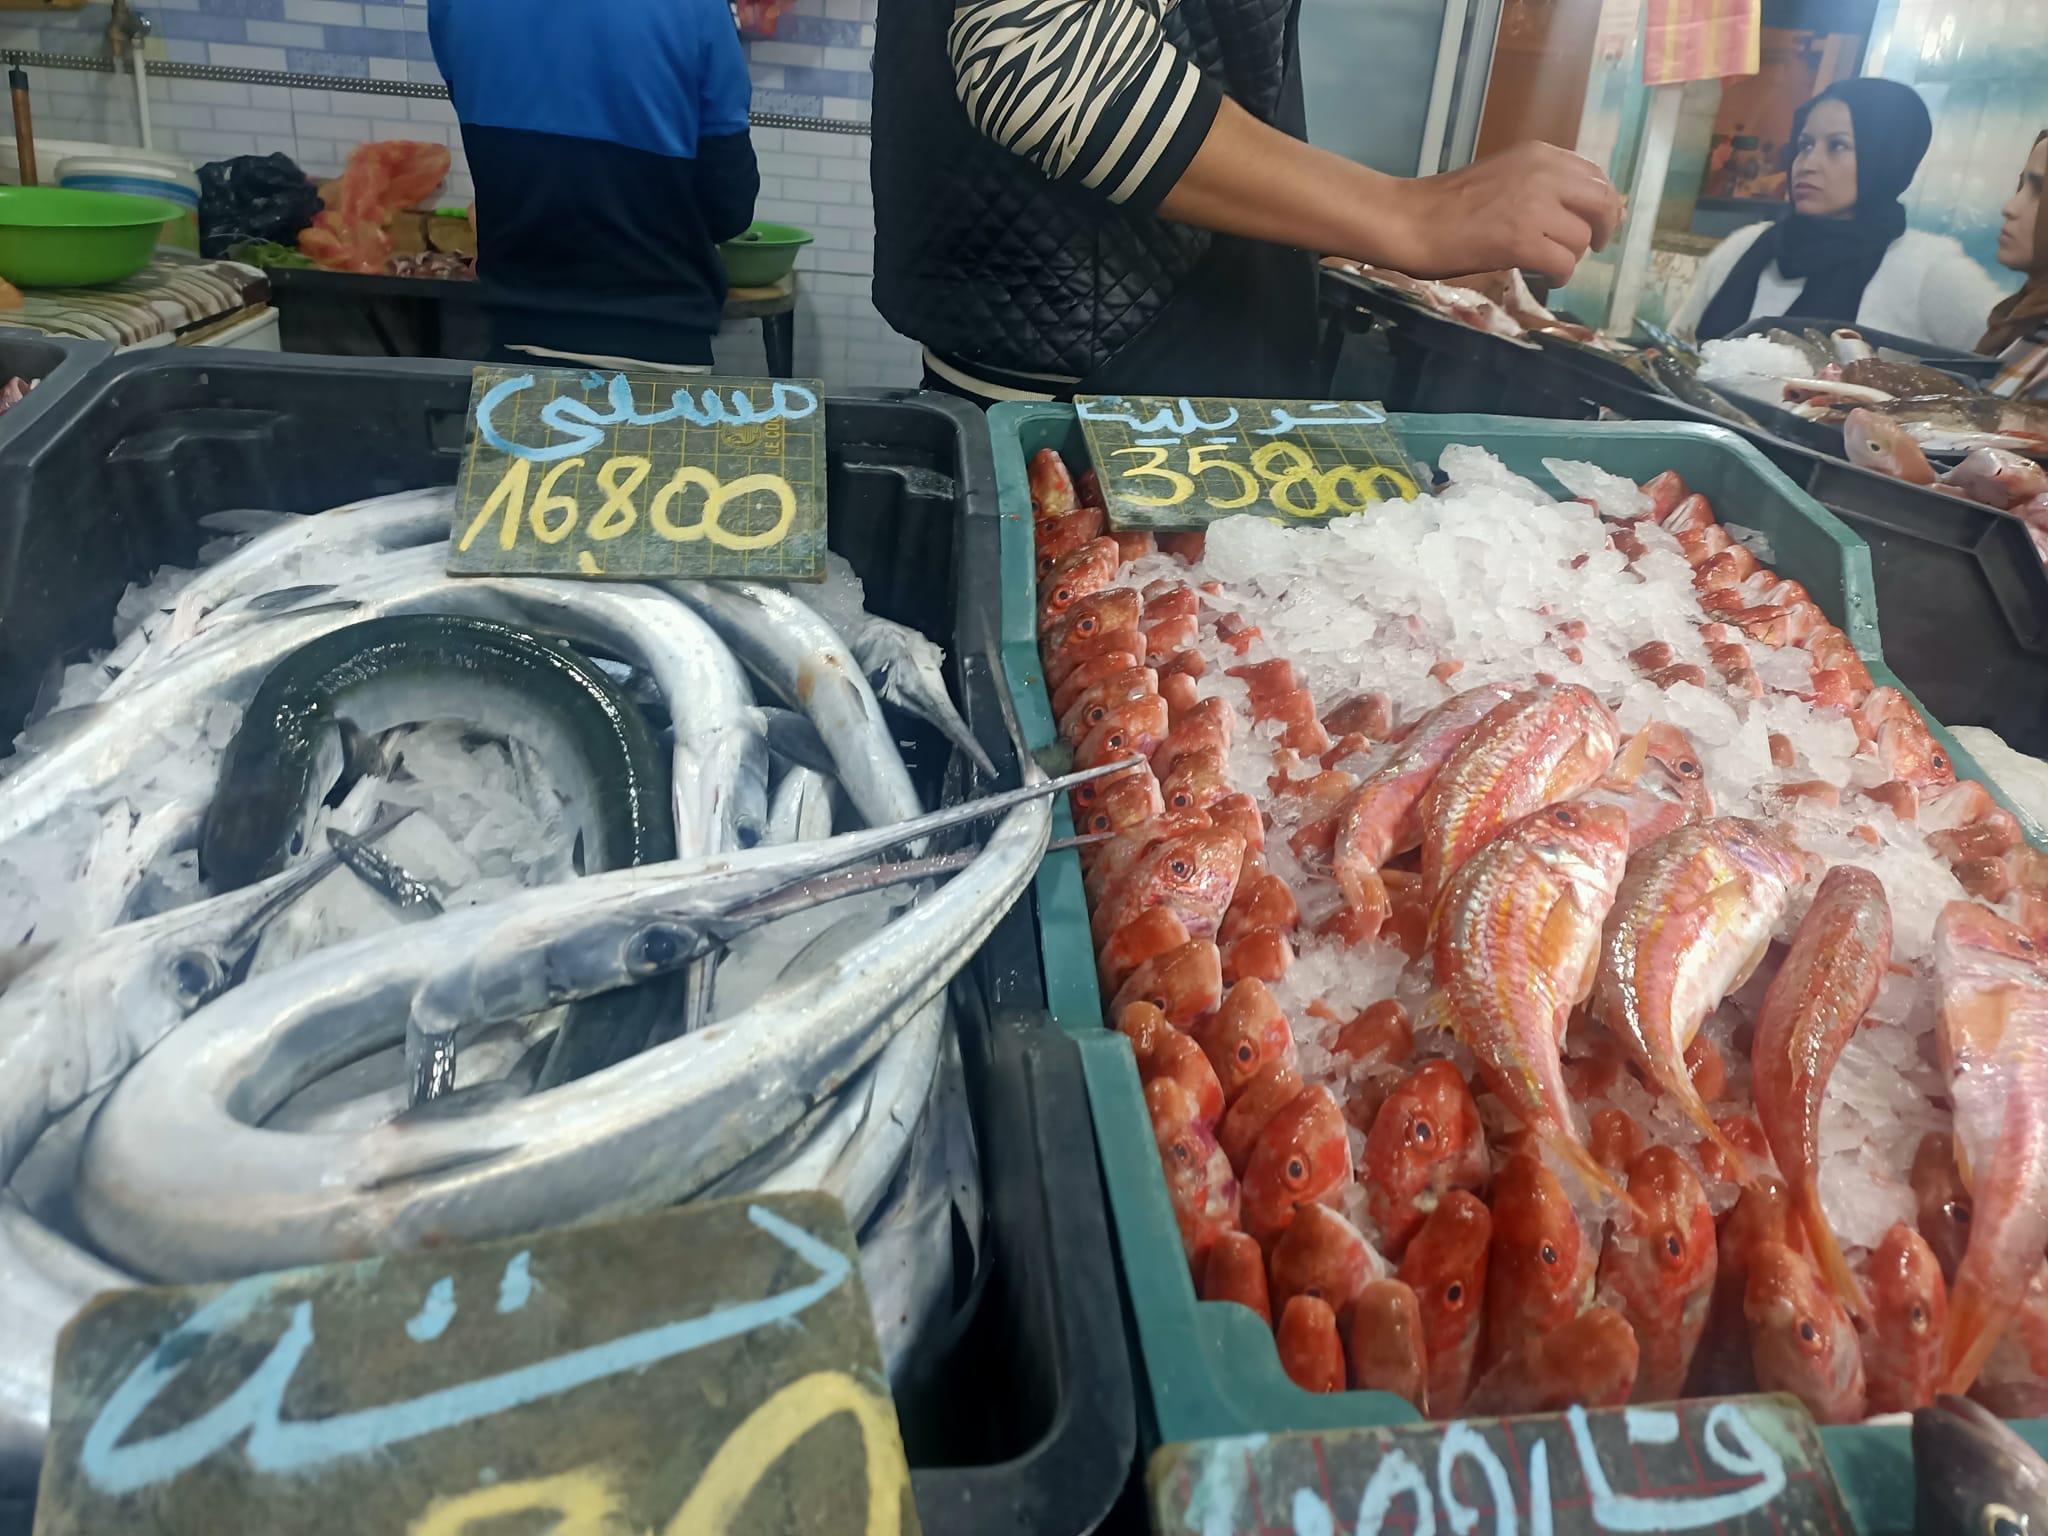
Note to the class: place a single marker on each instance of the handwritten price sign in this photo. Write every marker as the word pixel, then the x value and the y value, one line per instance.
pixel 705 1371
pixel 1175 465
pixel 631 475
pixel 1736 1465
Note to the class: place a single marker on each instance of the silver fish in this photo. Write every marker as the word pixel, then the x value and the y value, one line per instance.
pixel 640 1135
pixel 800 810
pixel 909 671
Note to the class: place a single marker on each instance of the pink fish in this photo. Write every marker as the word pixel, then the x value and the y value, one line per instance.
pixel 1801 1339
pixel 1657 1270
pixel 1903 1339
pixel 1322 1254
pixel 1426 1139
pixel 1198 1178
pixel 1657 782
pixel 1387 1350
pixel 1301 1156
pixel 1446 1267
pixel 1540 1273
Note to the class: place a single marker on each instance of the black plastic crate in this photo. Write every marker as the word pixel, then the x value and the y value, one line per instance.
pixel 1019 1417
pixel 53 364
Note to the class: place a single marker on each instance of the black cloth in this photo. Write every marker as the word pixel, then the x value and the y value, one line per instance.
pixel 994 260
pixel 1836 258
pixel 595 248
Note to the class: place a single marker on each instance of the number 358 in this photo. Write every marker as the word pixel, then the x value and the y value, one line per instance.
pixel 1281 473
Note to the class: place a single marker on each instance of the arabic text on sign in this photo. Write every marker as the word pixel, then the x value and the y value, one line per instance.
pixel 583 426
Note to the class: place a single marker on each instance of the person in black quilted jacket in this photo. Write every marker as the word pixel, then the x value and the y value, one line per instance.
pixel 1104 195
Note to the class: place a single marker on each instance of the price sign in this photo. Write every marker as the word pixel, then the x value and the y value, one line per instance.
pixel 636 475
pixel 704 1371
pixel 1178 465
pixel 1739 1465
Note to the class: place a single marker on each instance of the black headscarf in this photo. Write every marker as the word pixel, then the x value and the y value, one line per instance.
pixel 1837 257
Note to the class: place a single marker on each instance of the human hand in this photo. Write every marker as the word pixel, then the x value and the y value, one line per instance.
pixel 1534 206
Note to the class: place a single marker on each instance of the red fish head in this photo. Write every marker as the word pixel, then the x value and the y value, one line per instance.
pixel 1094 703
pixel 1184 984
pixel 1236 1271
pixel 1322 1254
pixel 1276 1086
pixel 1063 666
pixel 1088 570
pixel 1660 781
pixel 1672 1219
pixel 1446 1266
pixel 1908 1317
pixel 1310 1348
pixel 1381 1035
pixel 1583 843
pixel 1908 751
pixel 1060 536
pixel 1131 729
pixel 1387 1352
pixel 1426 1139
pixel 1052 487
pixel 1206 726
pixel 1198 779
pixel 1879 443
pixel 1302 1155
pixel 1800 1339
pixel 1100 610
pixel 1086 675
pixel 1942 1204
pixel 1198 1178
pixel 1538 1265
pixel 1126 802
pixel 1195 875
pixel 1244 1035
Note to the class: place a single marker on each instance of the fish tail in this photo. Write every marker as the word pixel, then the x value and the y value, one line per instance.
pixel 1975 1325
pixel 1827 1248
pixel 1367 894
pixel 1695 1108
pixel 1597 1179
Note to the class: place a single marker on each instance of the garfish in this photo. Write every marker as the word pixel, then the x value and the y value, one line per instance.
pixel 1426 1139
pixel 1542 745
pixel 1382 816
pixel 1516 943
pixel 1941 1202
pixel 1236 1271
pixel 1302 1155
pixel 1322 1254
pixel 1590 1361
pixel 908 670
pixel 1992 984
pixel 1540 1268
pixel 1908 1319
pixel 247 1198
pixel 1692 919
pixel 1203 1190
pixel 1310 1350
pixel 1801 1338
pixel 1830 976
pixel 1657 782
pixel 800 809
pixel 1446 1267
pixel 1657 1270
pixel 1973 1475
pixel 1387 1351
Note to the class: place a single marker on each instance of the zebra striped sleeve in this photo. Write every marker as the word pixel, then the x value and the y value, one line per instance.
pixel 1089 91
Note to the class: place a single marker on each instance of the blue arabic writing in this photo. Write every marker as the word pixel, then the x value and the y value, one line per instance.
pixel 277 1445
pixel 1285 421
pixel 582 426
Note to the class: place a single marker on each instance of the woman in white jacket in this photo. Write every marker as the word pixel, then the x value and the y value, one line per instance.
pixel 1842 251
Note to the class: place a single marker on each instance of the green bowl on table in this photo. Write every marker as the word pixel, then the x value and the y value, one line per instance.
pixel 765 254
pixel 60 237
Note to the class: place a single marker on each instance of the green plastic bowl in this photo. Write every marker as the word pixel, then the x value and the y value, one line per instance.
pixel 765 254
pixel 59 237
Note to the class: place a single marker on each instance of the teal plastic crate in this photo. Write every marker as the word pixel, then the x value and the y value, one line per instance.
pixel 1210 1368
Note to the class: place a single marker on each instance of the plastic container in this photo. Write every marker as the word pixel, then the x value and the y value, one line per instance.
pixel 765 254
pixel 1209 1368
pixel 1019 1418
pixel 54 237
pixel 142 173
pixel 53 364
pixel 50 153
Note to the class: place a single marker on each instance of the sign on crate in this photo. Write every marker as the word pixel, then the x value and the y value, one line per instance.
pixel 1178 465
pixel 574 472
pixel 1739 1465
pixel 707 1370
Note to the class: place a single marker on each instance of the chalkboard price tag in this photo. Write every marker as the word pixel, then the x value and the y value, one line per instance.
pixel 574 472
pixel 1732 1464
pixel 1175 465
pixel 709 1371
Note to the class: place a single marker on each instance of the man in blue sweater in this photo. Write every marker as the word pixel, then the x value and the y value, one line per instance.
pixel 608 141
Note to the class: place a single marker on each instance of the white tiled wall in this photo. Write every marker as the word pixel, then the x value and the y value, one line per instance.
pixel 816 66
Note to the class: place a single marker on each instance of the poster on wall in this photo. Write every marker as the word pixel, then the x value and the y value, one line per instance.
pixel 1701 40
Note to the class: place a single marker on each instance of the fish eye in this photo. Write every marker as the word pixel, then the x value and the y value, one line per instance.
pixel 1063 595
pixel 1099 822
pixel 1180 869
pixel 1564 817
pixel 653 950
pixel 1918 1317
pixel 1673 1246
pixel 1548 1253
pixel 1245 1054
pixel 1157 1002
pixel 1957 1212
pixel 195 977
pixel 1297 1170
pixel 1181 1154
pixel 1182 800
pixel 1422 1133
pixel 2002 1520
pixel 1095 715
pixel 1114 739
pixel 1807 1332
pixel 1689 768
pixel 1939 758
pixel 1454 1293
pixel 2026 943
pixel 1045 564
pixel 1874 446
pixel 1085 625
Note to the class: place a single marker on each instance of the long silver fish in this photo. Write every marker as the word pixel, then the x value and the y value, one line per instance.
pixel 909 671
pixel 800 810
pixel 640 1135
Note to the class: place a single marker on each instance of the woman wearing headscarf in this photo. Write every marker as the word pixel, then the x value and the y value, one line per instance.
pixel 2018 333
pixel 1842 251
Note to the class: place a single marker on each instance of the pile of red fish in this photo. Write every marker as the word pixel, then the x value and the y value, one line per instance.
pixel 1541 865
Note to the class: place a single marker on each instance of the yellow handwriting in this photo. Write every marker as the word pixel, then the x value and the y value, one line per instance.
pixel 1283 473
pixel 554 514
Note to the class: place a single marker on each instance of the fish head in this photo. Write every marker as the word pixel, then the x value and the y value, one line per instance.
pixel 1974 1475
pixel 1672 777
pixel 1538 1245
pixel 1184 983
pixel 1909 752
pixel 1672 1219
pixel 1302 1154
pixel 1942 1207
pixel 1076 612
pixel 1199 869
pixel 1052 486
pixel 1982 963
pixel 1425 1139
pixel 1800 1338
pixel 1125 802
pixel 1446 1266
pixel 1582 844
pixel 1197 779
pixel 1908 1296
pixel 1321 1254
pixel 1132 729
pixel 1245 1035
pixel 1877 442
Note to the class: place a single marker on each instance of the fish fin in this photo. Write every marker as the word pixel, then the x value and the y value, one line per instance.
pixel 1834 1264
pixel 1695 1109
pixel 1596 1179
pixel 1436 1012
pixel 1628 767
pixel 794 737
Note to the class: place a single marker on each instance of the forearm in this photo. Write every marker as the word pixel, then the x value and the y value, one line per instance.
pixel 1251 179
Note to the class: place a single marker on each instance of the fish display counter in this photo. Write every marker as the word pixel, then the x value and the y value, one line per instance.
pixel 1542 958
pixel 1938 480
pixel 680 891
pixel 36 369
